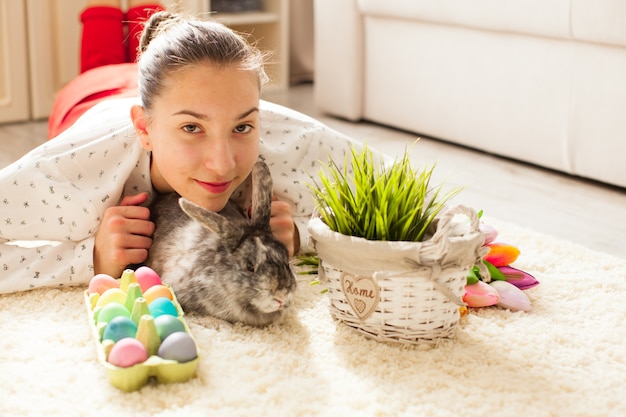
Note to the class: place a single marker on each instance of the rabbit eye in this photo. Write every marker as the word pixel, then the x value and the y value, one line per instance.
pixel 250 266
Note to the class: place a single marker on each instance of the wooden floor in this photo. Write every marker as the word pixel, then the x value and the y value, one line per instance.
pixel 588 213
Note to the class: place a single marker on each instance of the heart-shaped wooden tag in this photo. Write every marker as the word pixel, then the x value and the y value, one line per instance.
pixel 362 294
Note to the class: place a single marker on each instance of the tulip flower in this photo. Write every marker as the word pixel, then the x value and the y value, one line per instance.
pixel 511 297
pixel 519 278
pixel 480 295
pixel 507 283
pixel 501 254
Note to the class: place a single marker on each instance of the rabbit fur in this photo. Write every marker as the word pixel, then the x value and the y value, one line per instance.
pixel 223 265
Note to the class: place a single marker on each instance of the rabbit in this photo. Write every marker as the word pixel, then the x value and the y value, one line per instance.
pixel 231 268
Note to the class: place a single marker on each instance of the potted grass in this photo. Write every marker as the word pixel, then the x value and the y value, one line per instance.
pixel 392 254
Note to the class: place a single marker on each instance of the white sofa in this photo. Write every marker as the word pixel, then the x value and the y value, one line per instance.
pixel 542 81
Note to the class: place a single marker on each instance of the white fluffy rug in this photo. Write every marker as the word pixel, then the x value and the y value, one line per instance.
pixel 565 358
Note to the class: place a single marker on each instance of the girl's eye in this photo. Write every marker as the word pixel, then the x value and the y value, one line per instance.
pixel 243 129
pixel 191 128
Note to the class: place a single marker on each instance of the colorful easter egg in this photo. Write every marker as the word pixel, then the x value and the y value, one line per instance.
pixel 102 282
pixel 157 291
pixel 178 346
pixel 119 328
pixel 162 305
pixel 112 295
pixel 147 277
pixel 127 352
pixel 110 311
pixel 166 325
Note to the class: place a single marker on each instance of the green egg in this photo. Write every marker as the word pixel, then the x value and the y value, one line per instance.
pixel 112 310
pixel 167 324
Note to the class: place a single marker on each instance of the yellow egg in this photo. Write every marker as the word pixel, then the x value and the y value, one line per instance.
pixel 111 295
pixel 157 291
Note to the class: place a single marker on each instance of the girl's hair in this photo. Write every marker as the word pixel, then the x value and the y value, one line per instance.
pixel 170 42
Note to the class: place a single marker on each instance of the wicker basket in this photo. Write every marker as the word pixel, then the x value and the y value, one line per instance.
pixel 406 292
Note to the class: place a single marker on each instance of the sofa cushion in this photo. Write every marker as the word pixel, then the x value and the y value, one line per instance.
pixel 506 94
pixel 599 21
pixel 538 17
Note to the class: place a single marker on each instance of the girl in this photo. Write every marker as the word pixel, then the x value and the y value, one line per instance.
pixel 76 205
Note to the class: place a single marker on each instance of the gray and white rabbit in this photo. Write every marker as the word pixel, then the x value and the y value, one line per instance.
pixel 231 268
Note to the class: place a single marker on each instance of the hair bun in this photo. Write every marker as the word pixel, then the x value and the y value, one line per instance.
pixel 154 25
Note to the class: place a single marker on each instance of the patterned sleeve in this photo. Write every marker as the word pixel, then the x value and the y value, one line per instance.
pixel 27 265
pixel 52 202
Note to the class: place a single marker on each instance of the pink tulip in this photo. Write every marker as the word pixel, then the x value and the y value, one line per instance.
pixel 511 297
pixel 480 295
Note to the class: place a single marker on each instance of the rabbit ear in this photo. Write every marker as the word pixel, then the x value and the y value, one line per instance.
pixel 211 221
pixel 261 194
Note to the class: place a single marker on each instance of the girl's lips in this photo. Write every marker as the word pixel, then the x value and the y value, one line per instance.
pixel 214 187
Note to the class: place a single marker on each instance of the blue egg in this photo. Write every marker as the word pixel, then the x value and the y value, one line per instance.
pixel 162 305
pixel 119 328
pixel 179 347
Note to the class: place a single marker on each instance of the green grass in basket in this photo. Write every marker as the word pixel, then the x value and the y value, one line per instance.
pixel 378 202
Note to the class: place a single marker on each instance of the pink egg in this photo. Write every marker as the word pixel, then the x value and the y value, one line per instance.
pixel 146 277
pixel 127 352
pixel 102 282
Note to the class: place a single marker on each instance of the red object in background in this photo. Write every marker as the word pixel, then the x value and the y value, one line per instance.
pixel 108 56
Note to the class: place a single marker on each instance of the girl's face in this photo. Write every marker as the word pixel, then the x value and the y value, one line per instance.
pixel 203 133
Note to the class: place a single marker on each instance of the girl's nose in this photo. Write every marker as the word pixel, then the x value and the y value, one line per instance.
pixel 221 158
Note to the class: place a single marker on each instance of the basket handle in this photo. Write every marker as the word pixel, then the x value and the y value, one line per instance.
pixel 441 236
pixel 444 225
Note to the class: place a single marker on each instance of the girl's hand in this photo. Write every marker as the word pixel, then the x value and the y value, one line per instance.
pixel 283 227
pixel 124 236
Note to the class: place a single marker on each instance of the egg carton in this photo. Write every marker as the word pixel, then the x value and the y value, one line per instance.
pixel 155 367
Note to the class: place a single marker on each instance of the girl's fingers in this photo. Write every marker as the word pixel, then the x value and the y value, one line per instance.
pixel 134 200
